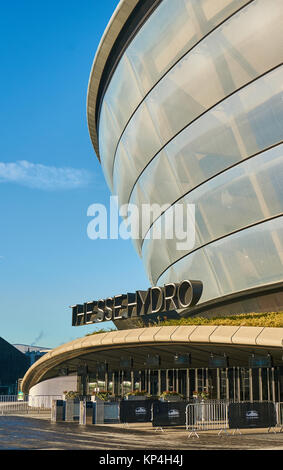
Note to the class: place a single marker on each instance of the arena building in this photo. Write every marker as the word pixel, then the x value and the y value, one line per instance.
pixel 185 106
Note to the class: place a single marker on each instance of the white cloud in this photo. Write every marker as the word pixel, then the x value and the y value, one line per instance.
pixel 38 176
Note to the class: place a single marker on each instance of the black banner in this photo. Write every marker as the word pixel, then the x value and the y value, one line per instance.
pixel 251 415
pixel 169 414
pixel 135 411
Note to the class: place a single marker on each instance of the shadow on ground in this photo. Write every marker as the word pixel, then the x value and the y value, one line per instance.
pixel 23 433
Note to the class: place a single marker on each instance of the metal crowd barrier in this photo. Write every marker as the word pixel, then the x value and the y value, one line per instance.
pixel 72 410
pixel 11 398
pixel 207 416
pixel 199 416
pixel 99 412
pixel 279 414
pixel 10 405
pixel 111 412
pixel 42 401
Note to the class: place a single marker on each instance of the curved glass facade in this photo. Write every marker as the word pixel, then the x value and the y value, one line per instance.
pixel 237 198
pixel 215 142
pixel 173 29
pixel 193 114
pixel 247 259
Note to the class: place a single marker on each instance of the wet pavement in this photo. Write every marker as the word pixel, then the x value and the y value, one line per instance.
pixel 26 433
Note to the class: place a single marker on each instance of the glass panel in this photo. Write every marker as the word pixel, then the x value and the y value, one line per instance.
pixel 140 134
pixel 194 266
pixel 124 168
pixel 173 29
pixel 150 197
pixel 154 262
pixel 227 58
pixel 108 135
pixel 248 193
pixel 250 258
pixel 123 92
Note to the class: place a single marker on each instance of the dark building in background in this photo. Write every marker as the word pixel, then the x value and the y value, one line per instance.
pixel 13 366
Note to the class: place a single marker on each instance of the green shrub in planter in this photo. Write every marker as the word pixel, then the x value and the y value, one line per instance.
pixel 71 395
pixel 103 395
pixel 171 396
pixel 137 395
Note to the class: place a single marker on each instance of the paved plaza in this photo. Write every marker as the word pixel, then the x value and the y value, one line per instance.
pixel 27 433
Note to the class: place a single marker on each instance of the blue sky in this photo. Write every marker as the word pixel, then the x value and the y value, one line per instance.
pixel 49 174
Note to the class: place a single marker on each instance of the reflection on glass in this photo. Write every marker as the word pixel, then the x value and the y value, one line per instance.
pixel 246 194
pixel 241 126
pixel 171 30
pixel 247 259
pixel 226 57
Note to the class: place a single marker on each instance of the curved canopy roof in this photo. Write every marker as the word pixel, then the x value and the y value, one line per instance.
pixel 236 341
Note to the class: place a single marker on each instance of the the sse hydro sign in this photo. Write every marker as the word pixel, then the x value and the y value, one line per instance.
pixel 172 296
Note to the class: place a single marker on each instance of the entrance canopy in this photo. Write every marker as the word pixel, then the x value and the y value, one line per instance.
pixel 236 342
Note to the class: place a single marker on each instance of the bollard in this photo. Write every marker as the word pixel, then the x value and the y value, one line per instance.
pixel 87 412
pixel 57 411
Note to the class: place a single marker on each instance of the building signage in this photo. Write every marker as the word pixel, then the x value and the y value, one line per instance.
pixel 172 296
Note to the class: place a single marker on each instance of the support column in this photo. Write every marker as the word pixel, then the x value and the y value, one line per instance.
pixel 273 384
pixel 132 380
pixel 122 383
pixel 159 382
pixel 227 385
pixel 260 383
pixel 196 380
pixel 238 384
pixel 188 384
pixel 218 384
pixel 251 385
pixel 206 380
pixel 113 384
